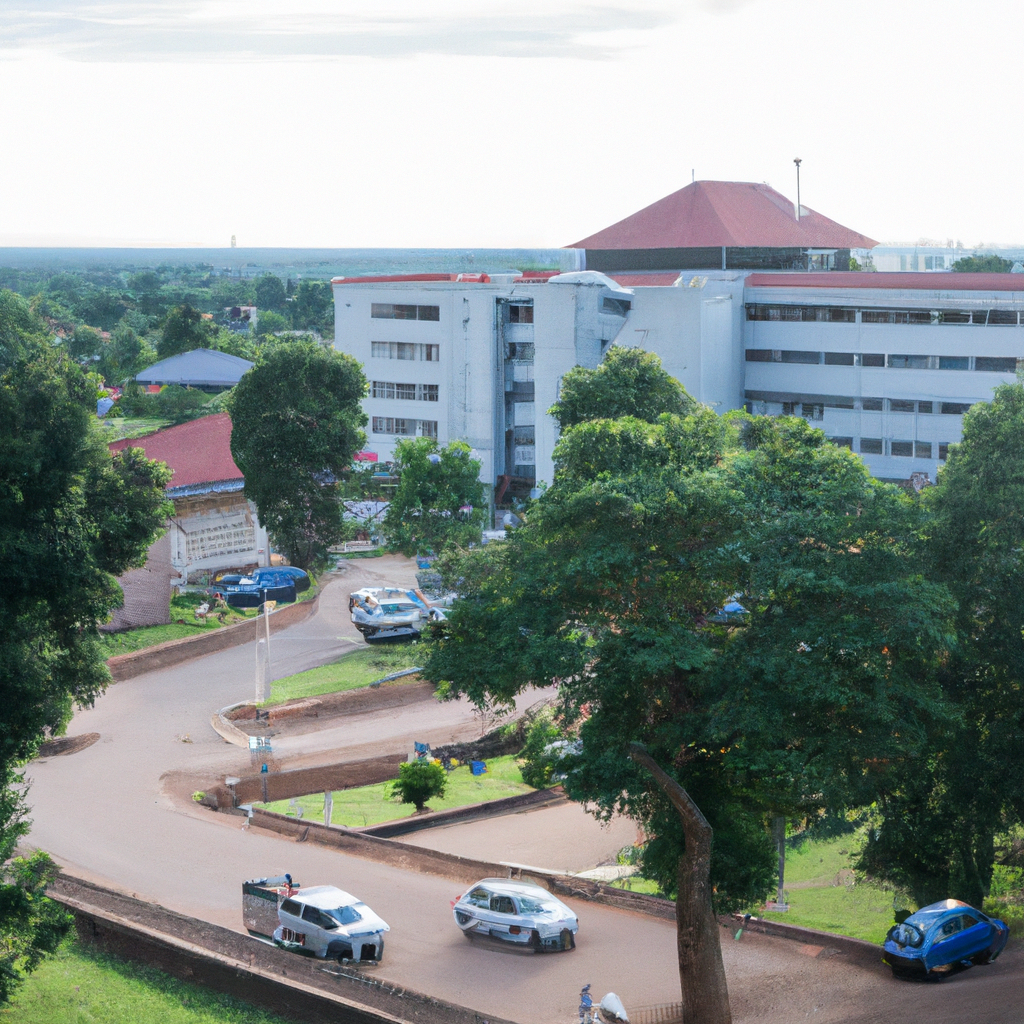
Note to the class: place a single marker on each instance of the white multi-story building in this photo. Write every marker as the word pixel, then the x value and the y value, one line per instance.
pixel 886 363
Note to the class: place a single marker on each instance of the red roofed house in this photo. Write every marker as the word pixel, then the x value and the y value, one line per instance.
pixel 723 225
pixel 213 527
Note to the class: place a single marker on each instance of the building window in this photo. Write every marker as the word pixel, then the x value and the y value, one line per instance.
pixel 901 449
pixel 839 403
pixel 812 411
pixel 996 364
pixel 405 350
pixel 789 408
pixel 403 426
pixel 405 392
pixel 394 311
pixel 839 359
pixel 427 392
pixel 900 405
pixel 954 363
pixel 520 314
pixel 805 314
pixel 910 362
pixel 842 442
pixel 923 449
pixel 943 451
pixel 1002 316
pixel 759 355
pixel 871 404
pixel 521 351
pixel 871 446
pixel 954 408
pixel 926 407
pixel 801 357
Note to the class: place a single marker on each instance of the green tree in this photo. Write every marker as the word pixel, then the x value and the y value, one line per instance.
pixel 297 421
pixel 84 344
pixel 313 307
pixel 21 330
pixel 629 382
pixel 439 501
pixel 269 291
pixel 269 323
pixel 614 586
pixel 940 818
pixel 125 355
pixel 72 518
pixel 418 781
pixel 184 330
pixel 982 265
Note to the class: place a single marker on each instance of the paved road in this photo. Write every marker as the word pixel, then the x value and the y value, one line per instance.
pixel 111 813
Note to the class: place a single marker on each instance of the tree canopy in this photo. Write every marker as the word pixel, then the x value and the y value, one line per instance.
pixel 615 587
pixel 296 423
pixel 629 382
pixel 982 265
pixel 72 518
pixel 439 502
pixel 184 330
pixel 270 292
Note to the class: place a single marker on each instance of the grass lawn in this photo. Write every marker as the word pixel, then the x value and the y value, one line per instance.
pixel 118 428
pixel 81 985
pixel 861 910
pixel 364 665
pixel 369 805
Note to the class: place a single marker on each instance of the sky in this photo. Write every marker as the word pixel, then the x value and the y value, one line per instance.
pixel 498 123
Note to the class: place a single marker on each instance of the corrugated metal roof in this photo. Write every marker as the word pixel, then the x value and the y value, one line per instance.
pixel 934 282
pixel 200 367
pixel 199 452
pixel 730 213
pixel 640 279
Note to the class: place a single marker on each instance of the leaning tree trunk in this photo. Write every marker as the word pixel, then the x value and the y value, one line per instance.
pixel 701 971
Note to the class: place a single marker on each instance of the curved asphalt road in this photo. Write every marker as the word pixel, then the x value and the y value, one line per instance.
pixel 107 813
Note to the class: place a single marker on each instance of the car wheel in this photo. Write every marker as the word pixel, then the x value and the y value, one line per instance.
pixel 568 942
pixel 986 956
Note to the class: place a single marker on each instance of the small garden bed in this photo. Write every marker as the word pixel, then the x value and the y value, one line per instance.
pixel 370 805
pixel 358 668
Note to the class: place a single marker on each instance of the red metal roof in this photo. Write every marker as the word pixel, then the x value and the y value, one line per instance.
pixel 716 213
pixel 945 282
pixel 199 451
pixel 388 278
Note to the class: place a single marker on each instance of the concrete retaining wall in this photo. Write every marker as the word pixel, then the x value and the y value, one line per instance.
pixel 174 652
pixel 809 936
pixel 262 788
pixel 301 988
pixel 460 869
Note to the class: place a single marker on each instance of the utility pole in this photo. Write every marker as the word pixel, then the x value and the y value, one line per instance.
pixel 797 161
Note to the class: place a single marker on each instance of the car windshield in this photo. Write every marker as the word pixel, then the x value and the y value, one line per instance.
pixel 907 935
pixel 531 906
pixel 344 915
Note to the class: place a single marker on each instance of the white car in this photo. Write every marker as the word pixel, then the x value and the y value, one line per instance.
pixel 328 922
pixel 518 913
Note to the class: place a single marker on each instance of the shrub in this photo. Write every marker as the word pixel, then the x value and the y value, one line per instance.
pixel 418 781
pixel 539 756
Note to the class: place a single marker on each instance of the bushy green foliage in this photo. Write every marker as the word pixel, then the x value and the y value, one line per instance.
pixel 982 265
pixel 184 329
pixel 270 292
pixel 629 382
pixel 537 760
pixel 297 421
pixel 173 403
pixel 435 488
pixel 418 781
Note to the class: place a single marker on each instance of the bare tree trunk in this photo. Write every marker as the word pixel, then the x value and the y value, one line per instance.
pixel 701 971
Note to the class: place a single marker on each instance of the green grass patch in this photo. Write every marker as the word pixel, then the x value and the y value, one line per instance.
pixel 370 805
pixel 373 553
pixel 364 665
pixel 862 911
pixel 119 428
pixel 634 883
pixel 81 985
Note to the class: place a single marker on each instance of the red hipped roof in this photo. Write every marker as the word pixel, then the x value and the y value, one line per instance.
pixel 732 213
pixel 199 451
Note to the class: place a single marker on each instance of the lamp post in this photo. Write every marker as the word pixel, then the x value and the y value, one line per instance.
pixel 797 161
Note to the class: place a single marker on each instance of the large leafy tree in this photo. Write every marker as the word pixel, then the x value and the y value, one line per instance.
pixel 270 292
pixel 184 329
pixel 72 518
pixel 614 587
pixel 296 423
pixel 941 817
pixel 439 502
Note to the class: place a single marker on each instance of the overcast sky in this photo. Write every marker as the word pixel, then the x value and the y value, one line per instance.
pixel 498 123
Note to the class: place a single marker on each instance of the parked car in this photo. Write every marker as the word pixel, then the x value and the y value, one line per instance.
pixel 943 937
pixel 517 913
pixel 328 922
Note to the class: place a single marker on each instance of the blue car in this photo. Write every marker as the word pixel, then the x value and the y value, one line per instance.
pixel 941 938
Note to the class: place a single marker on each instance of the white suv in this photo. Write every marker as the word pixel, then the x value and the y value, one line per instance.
pixel 328 922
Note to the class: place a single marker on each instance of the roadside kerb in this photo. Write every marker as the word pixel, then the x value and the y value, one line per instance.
pixel 174 652
pixel 257 972
pixel 807 936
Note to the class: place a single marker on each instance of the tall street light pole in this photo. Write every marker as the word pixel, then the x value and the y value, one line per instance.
pixel 797 161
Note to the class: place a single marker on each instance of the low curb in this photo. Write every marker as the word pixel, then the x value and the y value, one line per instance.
pixel 808 936
pixel 175 652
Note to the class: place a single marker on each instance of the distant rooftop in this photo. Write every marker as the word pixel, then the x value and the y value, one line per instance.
pixel 199 368
pixel 725 213
pixel 934 282
pixel 199 453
